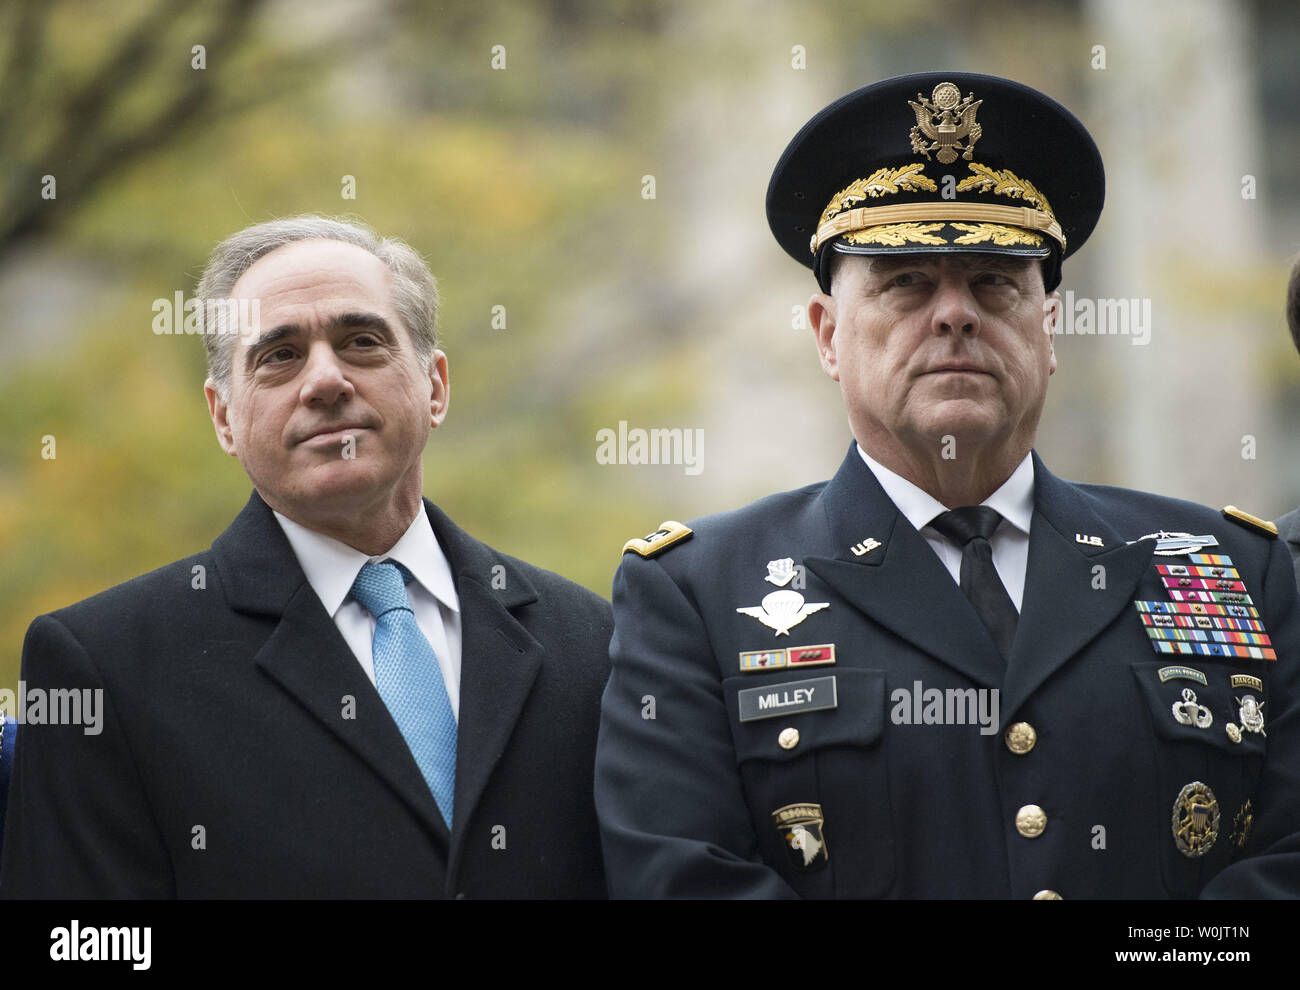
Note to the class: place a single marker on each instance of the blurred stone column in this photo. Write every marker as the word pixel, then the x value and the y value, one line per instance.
pixel 1176 117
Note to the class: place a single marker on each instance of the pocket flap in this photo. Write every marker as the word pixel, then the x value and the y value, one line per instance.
pixel 840 707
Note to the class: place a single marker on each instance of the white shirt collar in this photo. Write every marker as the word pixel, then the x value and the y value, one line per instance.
pixel 332 566
pixel 1014 500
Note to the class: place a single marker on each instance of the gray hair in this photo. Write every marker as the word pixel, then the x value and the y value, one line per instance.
pixel 415 291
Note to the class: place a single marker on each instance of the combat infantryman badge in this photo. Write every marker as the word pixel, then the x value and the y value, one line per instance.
pixel 945 119
pixel 1176 544
pixel 1195 820
pixel 782 610
pixel 800 826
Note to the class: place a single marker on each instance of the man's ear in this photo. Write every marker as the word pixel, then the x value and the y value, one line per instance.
pixel 822 316
pixel 440 392
pixel 1052 307
pixel 219 410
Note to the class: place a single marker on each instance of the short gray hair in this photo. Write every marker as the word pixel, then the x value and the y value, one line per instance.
pixel 415 291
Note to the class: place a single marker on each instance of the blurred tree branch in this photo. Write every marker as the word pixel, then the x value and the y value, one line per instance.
pixel 141 97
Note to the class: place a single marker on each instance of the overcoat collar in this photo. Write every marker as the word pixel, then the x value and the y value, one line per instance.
pixel 307 657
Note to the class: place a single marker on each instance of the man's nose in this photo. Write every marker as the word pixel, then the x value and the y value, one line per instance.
pixel 955 309
pixel 323 377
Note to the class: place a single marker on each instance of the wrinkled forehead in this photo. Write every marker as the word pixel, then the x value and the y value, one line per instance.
pixel 314 267
pixel 873 268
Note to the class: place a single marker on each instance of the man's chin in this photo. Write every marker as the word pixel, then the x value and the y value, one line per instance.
pixel 331 488
pixel 968 420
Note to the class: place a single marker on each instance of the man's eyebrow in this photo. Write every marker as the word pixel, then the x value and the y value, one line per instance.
pixel 351 321
pixel 345 321
pixel 282 332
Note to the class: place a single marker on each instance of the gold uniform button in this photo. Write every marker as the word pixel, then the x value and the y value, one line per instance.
pixel 1030 821
pixel 1020 738
pixel 1048 895
pixel 789 738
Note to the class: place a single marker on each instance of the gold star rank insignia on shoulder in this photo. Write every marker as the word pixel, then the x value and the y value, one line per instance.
pixel 653 544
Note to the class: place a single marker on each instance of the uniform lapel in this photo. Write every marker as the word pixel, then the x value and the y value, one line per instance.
pixel 500 660
pixel 901 584
pixel 1072 590
pixel 308 658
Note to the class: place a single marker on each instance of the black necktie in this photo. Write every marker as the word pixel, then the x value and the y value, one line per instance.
pixel 970 528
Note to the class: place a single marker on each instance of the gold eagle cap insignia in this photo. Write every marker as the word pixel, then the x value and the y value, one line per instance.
pixel 946 120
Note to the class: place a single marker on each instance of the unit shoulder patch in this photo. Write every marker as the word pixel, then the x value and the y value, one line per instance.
pixel 653 544
pixel 1249 521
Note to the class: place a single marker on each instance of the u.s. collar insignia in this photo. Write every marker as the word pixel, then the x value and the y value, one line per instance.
pixel 1175 544
pixel 865 546
pixel 946 119
pixel 800 826
pixel 1195 820
pixel 782 610
pixel 780 572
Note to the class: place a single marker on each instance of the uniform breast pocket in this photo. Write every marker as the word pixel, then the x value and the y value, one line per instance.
pixel 1209 739
pixel 811 751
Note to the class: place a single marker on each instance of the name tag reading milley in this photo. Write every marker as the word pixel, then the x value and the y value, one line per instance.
pixel 810 695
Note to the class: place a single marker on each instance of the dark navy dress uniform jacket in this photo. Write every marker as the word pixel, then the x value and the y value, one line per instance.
pixel 685 798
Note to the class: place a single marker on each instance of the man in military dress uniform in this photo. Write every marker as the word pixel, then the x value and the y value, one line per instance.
pixel 1015 686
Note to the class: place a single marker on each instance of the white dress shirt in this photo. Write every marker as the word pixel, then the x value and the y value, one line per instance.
pixel 331 568
pixel 1010 541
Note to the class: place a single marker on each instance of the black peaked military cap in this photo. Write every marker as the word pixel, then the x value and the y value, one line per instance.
pixel 935 162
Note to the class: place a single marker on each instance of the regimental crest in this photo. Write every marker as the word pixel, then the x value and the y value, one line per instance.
pixel 780 572
pixel 943 122
pixel 800 826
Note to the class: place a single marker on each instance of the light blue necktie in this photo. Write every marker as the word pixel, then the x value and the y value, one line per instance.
pixel 409 679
